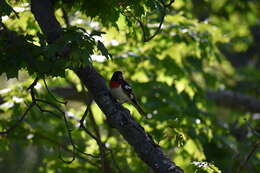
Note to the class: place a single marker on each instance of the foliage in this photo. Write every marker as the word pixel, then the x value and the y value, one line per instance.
pixel 198 48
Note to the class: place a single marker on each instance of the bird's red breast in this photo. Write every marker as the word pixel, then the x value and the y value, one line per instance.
pixel 114 84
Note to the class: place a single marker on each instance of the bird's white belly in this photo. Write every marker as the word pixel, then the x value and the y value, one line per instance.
pixel 119 95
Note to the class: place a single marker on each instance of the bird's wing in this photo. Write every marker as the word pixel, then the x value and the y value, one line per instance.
pixel 127 89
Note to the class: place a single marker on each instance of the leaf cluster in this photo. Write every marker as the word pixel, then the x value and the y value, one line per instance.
pixel 73 49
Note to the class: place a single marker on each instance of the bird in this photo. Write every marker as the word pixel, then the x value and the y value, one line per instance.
pixel 122 91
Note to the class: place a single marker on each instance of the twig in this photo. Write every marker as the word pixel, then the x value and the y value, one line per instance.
pixel 65 161
pixel 26 111
pixel 19 121
pixel 47 88
pixel 105 166
pixel 62 146
pixel 47 111
pixel 145 38
pixel 35 100
pixel 167 5
pixel 102 147
pixel 70 139
pixel 254 131
pixel 85 114
pixel 33 84
pixel 75 148
pixel 87 131
pixel 163 13
pixel 250 154
pixel 16 14
pixel 50 104
pixel 65 17
pixel 3 25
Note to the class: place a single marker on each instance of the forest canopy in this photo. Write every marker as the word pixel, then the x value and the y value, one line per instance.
pixel 194 67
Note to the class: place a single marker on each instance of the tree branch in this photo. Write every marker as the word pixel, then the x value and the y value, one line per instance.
pixel 47 88
pixel 235 100
pixel 163 9
pixel 117 116
pixel 75 148
pixel 49 24
pixel 102 149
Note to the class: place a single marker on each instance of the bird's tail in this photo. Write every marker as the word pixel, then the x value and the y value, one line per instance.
pixel 139 109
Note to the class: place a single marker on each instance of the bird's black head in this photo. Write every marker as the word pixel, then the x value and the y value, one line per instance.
pixel 117 76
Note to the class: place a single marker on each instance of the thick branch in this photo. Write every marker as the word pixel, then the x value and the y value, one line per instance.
pixel 49 24
pixel 117 116
pixel 235 100
pixel 121 119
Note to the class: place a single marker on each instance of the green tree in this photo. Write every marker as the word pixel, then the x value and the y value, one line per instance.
pixel 194 66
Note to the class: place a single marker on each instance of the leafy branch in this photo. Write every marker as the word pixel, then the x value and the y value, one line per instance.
pixel 24 114
pixel 162 7
pixel 35 102
pixel 75 148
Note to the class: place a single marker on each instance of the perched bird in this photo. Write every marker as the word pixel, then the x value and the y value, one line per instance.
pixel 123 92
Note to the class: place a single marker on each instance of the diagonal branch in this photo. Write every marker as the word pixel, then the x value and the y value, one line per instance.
pixel 146 38
pixel 102 148
pixel 17 123
pixel 65 148
pixel 116 115
pixel 50 93
pixel 250 154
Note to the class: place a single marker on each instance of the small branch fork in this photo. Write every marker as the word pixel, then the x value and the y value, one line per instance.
pixel 162 17
pixel 253 150
pixel 24 114
pixel 167 5
pixel 35 102
pixel 250 154
pixel 19 121
pixel 97 138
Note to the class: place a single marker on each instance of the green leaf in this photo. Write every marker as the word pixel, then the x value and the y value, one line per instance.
pixel 97 33
pixel 103 50
pixel 5 8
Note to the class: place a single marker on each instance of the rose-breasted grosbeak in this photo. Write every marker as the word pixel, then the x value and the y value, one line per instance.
pixel 122 91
